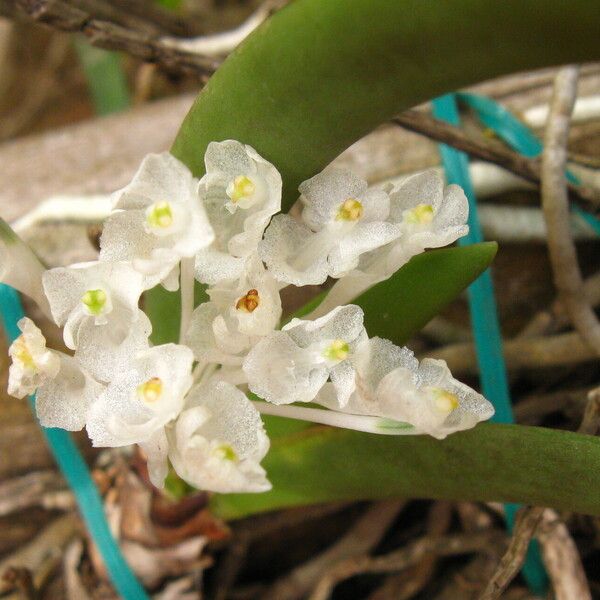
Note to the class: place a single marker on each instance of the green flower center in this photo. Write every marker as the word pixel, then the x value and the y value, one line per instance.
pixel 94 301
pixel 419 215
pixel 337 350
pixel 444 401
pixel 243 187
pixel 22 353
pixel 160 215
pixel 350 210
pixel 226 452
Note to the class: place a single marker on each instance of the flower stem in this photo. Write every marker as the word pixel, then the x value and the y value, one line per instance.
pixel 187 295
pixel 335 419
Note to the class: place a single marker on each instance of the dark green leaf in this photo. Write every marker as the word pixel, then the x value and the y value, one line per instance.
pixel 509 463
pixel 399 307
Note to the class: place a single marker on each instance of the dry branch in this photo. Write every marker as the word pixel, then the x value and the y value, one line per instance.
pixel 562 560
pixel 487 150
pixel 361 539
pixel 451 545
pixel 112 36
pixel 525 527
pixel 555 202
pixel 532 353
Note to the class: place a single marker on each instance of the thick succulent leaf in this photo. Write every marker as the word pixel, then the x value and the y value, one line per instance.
pixel 319 75
pixel 399 307
pixel 510 463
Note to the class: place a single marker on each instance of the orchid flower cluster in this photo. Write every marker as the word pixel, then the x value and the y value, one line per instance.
pixel 196 405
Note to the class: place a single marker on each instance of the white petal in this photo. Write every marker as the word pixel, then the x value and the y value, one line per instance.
pixel 156 450
pixel 210 343
pixel 121 416
pixel 219 442
pixel 422 188
pixel 238 225
pixel 213 266
pixel 101 356
pixel 65 289
pixel 155 249
pixel 324 193
pixel 65 401
pixel 342 323
pixel 281 372
pixel 284 240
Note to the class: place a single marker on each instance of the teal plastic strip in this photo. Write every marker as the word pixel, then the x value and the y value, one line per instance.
pixel 518 136
pixel 484 321
pixel 77 475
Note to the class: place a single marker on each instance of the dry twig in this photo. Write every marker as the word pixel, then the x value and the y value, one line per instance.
pixel 451 545
pixel 106 34
pixel 525 526
pixel 562 560
pixel 533 353
pixel 407 584
pixel 44 550
pixel 555 203
pixel 361 539
pixel 555 317
pixel 591 416
pixel 39 488
pixel 487 150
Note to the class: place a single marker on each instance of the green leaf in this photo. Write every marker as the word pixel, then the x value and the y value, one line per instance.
pixel 321 74
pixel 164 311
pixel 399 307
pixel 509 463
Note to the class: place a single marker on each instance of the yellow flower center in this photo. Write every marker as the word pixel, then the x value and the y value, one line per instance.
pixel 94 301
pixel 444 401
pixel 243 187
pixel 151 391
pixel 226 452
pixel 419 215
pixel 350 210
pixel 160 215
pixel 22 354
pixel 337 350
pixel 249 302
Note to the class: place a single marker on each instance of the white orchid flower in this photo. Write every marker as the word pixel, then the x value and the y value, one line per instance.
pixel 102 356
pixel 102 293
pixel 391 385
pixel 139 401
pixel 241 192
pixel 20 267
pixel 32 363
pixel 428 216
pixel 65 401
pixel 64 391
pixel 342 220
pixel 238 314
pixel 292 365
pixel 159 220
pixel 218 441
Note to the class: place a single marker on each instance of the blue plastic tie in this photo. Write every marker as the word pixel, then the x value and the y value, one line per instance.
pixel 77 474
pixel 484 321
pixel 519 137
